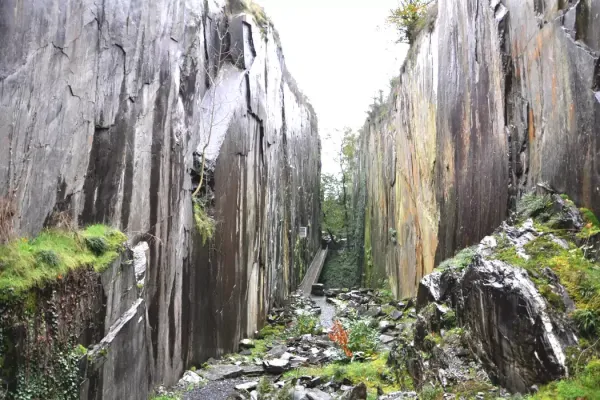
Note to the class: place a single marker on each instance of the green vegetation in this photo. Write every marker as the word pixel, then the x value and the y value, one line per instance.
pixel 410 17
pixel 592 225
pixel 585 385
pixel 373 373
pixel 305 324
pixel 264 386
pixel 57 379
pixel 533 206
pixel 341 270
pixel 165 397
pixel 461 260
pixel 430 392
pixel 362 337
pixel 260 16
pixel 299 251
pixel 205 224
pixel 579 276
pixel 336 190
pixel 27 263
pixel 271 331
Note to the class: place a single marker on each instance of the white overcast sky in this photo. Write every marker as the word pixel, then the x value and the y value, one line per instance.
pixel 341 53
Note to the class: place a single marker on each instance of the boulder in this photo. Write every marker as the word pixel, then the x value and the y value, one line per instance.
pixel 359 392
pixel 277 366
pixel 318 289
pixel 189 378
pixel 508 319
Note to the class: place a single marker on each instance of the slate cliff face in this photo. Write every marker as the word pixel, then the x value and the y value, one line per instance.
pixel 495 96
pixel 102 118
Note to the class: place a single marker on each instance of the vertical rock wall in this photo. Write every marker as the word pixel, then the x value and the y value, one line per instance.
pixel 495 97
pixel 103 110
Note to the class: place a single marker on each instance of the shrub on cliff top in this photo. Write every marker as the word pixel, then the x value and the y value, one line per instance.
pixel 26 263
pixel 409 18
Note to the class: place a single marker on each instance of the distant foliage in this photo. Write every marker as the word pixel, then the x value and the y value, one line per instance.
pixel 341 270
pixel 336 190
pixel 409 18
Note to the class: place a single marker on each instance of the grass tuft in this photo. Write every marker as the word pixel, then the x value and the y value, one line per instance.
pixel 461 260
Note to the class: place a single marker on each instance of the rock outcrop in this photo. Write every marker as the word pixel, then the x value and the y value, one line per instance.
pixel 515 298
pixel 495 96
pixel 106 111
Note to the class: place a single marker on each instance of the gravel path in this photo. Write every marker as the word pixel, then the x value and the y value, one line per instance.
pixel 217 390
pixel 327 311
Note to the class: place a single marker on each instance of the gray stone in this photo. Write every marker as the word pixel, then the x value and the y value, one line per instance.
pixel 277 351
pixel 189 378
pixel 220 372
pixel 117 104
pixel 492 68
pixel 317 394
pixel 384 326
pixel 385 339
pixel 252 370
pixel 247 386
pixel 276 366
pixel 396 315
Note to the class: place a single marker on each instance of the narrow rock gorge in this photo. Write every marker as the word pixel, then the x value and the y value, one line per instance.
pixel 162 206
pixel 110 112
pixel 494 97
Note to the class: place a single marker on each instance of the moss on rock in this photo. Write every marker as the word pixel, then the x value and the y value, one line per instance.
pixel 26 263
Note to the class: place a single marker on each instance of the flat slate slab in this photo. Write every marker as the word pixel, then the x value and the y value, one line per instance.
pixel 220 372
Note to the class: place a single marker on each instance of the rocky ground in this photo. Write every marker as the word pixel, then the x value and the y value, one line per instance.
pixel 516 312
pixel 295 357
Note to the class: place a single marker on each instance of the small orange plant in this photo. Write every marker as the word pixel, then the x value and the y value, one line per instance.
pixel 339 336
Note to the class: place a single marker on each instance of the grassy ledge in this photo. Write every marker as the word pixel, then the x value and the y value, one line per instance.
pixel 27 263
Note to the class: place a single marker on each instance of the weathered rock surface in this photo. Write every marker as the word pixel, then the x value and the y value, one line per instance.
pixel 103 118
pixel 494 97
pixel 519 335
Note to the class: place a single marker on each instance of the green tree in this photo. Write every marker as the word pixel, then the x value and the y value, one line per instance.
pixel 336 189
pixel 408 17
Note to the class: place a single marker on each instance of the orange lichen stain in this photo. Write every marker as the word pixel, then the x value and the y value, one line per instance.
pixel 531 127
pixel 537 52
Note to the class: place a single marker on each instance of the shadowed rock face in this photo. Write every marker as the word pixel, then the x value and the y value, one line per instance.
pixel 102 107
pixel 495 96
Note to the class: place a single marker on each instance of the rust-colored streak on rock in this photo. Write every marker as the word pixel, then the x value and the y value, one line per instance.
pixel 530 125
